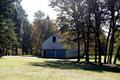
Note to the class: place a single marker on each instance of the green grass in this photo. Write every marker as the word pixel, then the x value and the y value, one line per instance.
pixel 31 68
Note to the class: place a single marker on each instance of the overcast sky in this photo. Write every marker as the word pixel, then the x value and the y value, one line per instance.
pixel 32 6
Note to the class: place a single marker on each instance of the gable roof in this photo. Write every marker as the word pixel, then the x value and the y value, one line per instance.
pixel 49 44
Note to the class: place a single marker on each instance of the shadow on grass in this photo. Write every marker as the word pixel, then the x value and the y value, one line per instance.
pixel 64 64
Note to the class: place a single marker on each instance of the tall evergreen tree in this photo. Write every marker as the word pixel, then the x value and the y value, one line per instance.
pixel 7 33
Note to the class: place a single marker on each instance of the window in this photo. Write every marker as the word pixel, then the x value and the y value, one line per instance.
pixel 54 39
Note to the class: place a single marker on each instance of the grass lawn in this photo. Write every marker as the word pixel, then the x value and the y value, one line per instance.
pixel 32 68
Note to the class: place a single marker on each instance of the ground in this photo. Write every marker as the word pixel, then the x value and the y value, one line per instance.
pixel 32 68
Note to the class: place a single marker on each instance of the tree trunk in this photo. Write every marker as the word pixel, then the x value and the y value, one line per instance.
pixel 99 43
pixel 99 50
pixel 111 48
pixel 23 51
pixel 6 52
pixel 87 45
pixel 88 33
pixel 112 25
pixel 3 52
pixel 16 51
pixel 0 52
pixel 97 24
pixel 117 54
pixel 31 51
pixel 84 39
pixel 106 47
pixel 12 50
pixel 95 50
pixel 78 42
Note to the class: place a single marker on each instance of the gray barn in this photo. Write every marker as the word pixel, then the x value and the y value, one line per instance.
pixel 52 48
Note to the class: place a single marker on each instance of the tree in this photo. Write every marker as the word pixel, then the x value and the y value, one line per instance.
pixel 117 55
pixel 69 15
pixel 22 28
pixel 113 20
pixel 7 33
pixel 13 25
pixel 83 18
pixel 41 28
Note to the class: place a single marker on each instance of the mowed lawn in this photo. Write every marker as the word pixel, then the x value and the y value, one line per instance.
pixel 32 68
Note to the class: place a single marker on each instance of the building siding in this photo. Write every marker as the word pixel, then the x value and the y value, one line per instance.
pixel 49 44
pixel 54 53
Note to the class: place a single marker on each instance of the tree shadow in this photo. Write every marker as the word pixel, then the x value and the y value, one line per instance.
pixel 65 64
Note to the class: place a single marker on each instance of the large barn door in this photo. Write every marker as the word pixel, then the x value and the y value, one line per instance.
pixel 50 54
pixel 60 54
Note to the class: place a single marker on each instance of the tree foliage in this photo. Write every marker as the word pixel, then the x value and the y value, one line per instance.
pixel 13 24
pixel 87 20
pixel 41 29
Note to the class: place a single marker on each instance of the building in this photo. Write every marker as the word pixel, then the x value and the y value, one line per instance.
pixel 53 48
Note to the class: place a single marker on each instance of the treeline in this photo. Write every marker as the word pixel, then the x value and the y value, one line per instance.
pixel 93 25
pixel 17 35
pixel 14 27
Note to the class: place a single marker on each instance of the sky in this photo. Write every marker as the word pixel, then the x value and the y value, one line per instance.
pixel 32 6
